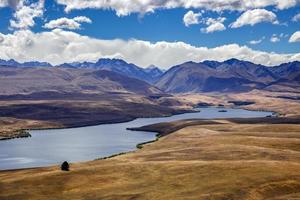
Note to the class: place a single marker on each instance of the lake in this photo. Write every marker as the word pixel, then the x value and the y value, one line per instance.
pixel 52 147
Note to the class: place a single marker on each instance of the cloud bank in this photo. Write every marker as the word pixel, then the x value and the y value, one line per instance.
pixel 59 46
pixel 126 7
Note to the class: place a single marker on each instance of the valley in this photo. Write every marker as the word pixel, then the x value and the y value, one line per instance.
pixel 238 158
pixel 112 90
pixel 150 100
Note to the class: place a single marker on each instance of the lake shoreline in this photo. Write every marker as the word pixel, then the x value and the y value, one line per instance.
pixel 208 115
pixel 20 132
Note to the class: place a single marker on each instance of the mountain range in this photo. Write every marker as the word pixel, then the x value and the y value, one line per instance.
pixel 150 74
pixel 115 74
pixel 230 76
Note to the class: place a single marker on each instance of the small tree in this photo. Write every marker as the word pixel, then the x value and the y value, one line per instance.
pixel 65 166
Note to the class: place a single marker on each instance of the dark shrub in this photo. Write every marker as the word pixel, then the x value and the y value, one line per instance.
pixel 65 166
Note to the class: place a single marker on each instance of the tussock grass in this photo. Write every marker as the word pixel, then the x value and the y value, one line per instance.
pixel 244 162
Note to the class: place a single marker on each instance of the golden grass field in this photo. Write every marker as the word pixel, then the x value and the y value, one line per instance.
pixel 209 160
pixel 215 161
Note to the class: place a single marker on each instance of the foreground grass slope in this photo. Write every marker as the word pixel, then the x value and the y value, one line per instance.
pixel 213 160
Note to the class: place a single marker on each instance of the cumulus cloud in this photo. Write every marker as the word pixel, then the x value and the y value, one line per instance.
pixel 295 37
pixel 252 17
pixel 126 7
pixel 24 15
pixel 191 18
pixel 275 38
pixel 296 18
pixel 254 42
pixel 214 25
pixel 59 46
pixel 66 23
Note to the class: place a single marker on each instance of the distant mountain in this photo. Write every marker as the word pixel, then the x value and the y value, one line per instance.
pixel 121 67
pixel 78 65
pixel 287 71
pixel 150 75
pixel 70 80
pixel 154 72
pixel 10 63
pixel 124 68
pixel 13 63
pixel 229 76
pixel 208 76
pixel 246 70
pixel 36 64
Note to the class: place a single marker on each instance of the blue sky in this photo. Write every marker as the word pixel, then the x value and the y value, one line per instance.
pixel 168 25
pixel 158 23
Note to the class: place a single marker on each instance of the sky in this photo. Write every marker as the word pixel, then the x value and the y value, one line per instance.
pixel 145 32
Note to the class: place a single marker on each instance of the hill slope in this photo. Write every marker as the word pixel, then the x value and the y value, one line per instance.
pixel 69 80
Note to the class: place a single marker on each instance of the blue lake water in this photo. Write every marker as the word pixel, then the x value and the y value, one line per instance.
pixel 52 147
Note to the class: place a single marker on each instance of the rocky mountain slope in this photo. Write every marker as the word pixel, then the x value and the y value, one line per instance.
pixel 209 76
pixel 230 76
pixel 150 74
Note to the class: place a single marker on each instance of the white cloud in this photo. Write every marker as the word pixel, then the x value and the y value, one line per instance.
pixel 275 38
pixel 82 19
pixel 296 18
pixel 295 37
pixel 191 18
pixel 65 23
pixel 254 42
pixel 58 46
pixel 25 14
pixel 126 7
pixel 214 25
pixel 9 3
pixel 285 4
pixel 252 17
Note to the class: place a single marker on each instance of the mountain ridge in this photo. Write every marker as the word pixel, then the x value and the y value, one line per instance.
pixel 231 75
pixel 116 65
